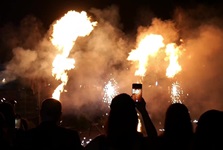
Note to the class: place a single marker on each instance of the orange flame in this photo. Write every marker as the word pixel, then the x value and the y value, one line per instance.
pixel 65 32
pixel 173 54
pixel 149 47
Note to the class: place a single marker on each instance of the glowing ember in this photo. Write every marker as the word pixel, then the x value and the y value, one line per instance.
pixel 110 91
pixel 65 32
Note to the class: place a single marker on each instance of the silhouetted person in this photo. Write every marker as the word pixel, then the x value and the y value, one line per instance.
pixel 48 134
pixel 121 128
pixel 3 140
pixel 178 129
pixel 209 131
pixel 8 132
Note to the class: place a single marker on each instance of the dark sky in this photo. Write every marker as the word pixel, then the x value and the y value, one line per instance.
pixel 13 11
pixel 49 10
pixel 132 13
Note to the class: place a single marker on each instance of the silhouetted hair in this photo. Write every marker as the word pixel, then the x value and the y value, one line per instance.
pixel 8 111
pixel 209 130
pixel 178 121
pixel 122 119
pixel 210 123
pixel 51 108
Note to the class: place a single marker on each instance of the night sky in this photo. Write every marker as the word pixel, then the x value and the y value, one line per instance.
pixel 50 10
pixel 132 13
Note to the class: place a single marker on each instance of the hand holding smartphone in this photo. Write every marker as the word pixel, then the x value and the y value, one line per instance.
pixel 137 92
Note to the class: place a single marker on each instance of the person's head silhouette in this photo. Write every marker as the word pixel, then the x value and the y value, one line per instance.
pixel 122 119
pixel 210 124
pixel 178 121
pixel 51 110
pixel 121 128
pixel 8 112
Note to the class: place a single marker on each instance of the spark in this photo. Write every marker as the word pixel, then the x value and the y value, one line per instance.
pixel 110 91
pixel 176 93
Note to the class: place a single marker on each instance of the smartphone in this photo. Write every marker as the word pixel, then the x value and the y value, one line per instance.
pixel 137 92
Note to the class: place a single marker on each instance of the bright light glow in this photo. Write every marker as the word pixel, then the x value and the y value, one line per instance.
pixel 139 126
pixel 3 80
pixel 110 91
pixel 173 53
pixel 65 32
pixel 176 93
pixel 147 47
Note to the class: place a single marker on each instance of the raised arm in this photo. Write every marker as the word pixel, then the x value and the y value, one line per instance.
pixel 149 126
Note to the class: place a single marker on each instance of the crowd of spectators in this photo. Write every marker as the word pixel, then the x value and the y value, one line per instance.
pixel 120 128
